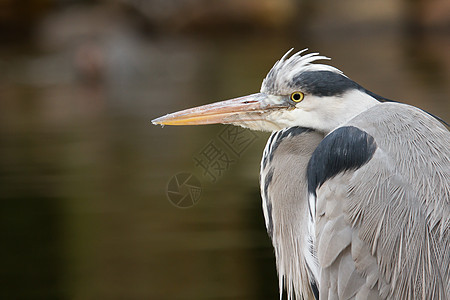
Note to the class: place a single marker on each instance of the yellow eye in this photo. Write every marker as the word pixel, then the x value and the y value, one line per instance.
pixel 297 96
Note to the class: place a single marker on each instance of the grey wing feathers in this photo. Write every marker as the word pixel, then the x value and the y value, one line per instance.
pixel 389 219
pixel 348 269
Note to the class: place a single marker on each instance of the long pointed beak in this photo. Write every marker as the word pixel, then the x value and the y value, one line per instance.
pixel 242 109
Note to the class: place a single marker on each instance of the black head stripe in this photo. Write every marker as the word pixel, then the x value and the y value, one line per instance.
pixel 324 83
pixel 346 148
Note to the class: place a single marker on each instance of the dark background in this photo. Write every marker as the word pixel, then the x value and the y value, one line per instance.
pixel 84 212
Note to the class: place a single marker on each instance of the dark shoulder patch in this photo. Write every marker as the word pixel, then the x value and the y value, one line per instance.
pixel 346 148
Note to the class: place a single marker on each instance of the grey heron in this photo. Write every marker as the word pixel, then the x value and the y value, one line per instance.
pixel 355 188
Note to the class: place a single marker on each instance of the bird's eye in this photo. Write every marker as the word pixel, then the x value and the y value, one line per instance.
pixel 297 96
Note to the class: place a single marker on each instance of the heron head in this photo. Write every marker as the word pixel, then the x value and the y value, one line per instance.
pixel 295 92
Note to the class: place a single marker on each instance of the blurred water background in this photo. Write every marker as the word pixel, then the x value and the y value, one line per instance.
pixel 84 175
